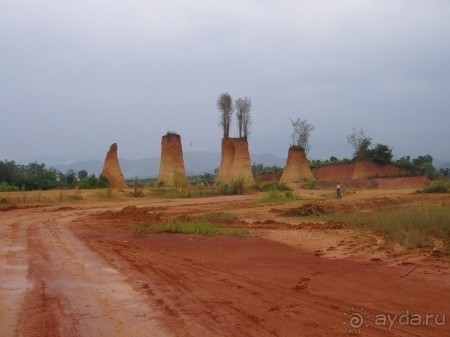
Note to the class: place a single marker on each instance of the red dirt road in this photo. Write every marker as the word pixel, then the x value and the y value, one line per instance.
pixel 82 272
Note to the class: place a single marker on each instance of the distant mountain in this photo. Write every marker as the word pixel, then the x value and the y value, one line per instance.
pixel 195 163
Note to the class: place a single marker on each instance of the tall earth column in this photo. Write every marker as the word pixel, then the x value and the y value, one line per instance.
pixel 297 167
pixel 171 169
pixel 111 169
pixel 235 163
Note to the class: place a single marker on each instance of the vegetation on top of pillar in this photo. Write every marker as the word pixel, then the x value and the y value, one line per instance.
pixel 243 107
pixel 225 106
pixel 301 133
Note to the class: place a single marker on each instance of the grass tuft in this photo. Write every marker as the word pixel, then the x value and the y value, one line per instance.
pixel 197 226
pixel 275 196
pixel 412 227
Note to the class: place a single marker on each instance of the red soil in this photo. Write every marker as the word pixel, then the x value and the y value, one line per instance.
pixel 79 270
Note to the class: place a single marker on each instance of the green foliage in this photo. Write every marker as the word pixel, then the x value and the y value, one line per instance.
pixel 301 133
pixel 137 189
pixel 203 179
pixel 438 186
pixel 360 142
pixel 275 186
pixel 36 176
pixel 82 174
pixel 236 187
pixel 309 184
pixel 332 161
pixel 275 196
pixel 71 178
pixel 4 187
pixel 260 169
pixel 381 154
pixel 197 226
pixel 421 164
pixel 92 182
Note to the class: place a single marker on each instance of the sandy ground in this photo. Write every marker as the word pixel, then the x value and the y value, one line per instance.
pixel 79 270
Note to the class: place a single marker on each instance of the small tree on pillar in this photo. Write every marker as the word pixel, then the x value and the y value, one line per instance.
pixel 301 133
pixel 225 106
pixel 243 107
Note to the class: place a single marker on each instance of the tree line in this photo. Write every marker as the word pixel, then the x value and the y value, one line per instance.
pixel 34 176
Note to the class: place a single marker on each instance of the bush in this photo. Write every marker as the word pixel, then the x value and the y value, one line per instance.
pixel 309 184
pixel 237 186
pixel 437 186
pixel 275 196
pixel 4 187
pixel 92 182
pixel 275 186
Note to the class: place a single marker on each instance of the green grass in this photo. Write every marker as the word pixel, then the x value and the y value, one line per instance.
pixel 275 186
pixel 197 226
pixel 412 227
pixel 275 196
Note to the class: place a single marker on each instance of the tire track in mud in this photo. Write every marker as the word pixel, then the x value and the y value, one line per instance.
pixel 13 272
pixel 70 291
pixel 197 301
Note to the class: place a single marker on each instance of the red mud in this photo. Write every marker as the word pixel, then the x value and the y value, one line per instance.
pixel 83 272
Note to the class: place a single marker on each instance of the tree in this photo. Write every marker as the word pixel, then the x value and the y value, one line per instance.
pixel 360 143
pixel 301 133
pixel 82 174
pixel 225 106
pixel 71 178
pixel 381 154
pixel 243 107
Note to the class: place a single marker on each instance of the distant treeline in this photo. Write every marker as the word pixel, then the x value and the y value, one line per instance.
pixel 34 176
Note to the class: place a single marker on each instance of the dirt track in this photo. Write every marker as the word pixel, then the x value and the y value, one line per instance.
pixel 81 272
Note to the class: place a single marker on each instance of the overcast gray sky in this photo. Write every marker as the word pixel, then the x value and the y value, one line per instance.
pixel 76 76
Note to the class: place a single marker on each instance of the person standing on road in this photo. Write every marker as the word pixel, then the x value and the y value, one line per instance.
pixel 338 191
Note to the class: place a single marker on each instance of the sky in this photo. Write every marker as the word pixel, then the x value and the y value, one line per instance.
pixel 77 76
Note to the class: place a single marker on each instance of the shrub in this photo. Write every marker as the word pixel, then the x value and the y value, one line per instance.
pixel 92 182
pixel 438 186
pixel 275 196
pixel 4 187
pixel 275 186
pixel 237 186
pixel 309 184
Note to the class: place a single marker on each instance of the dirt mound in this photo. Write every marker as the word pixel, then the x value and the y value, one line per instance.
pixel 111 169
pixel 132 214
pixel 235 163
pixel 297 167
pixel 171 170
pixel 309 209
